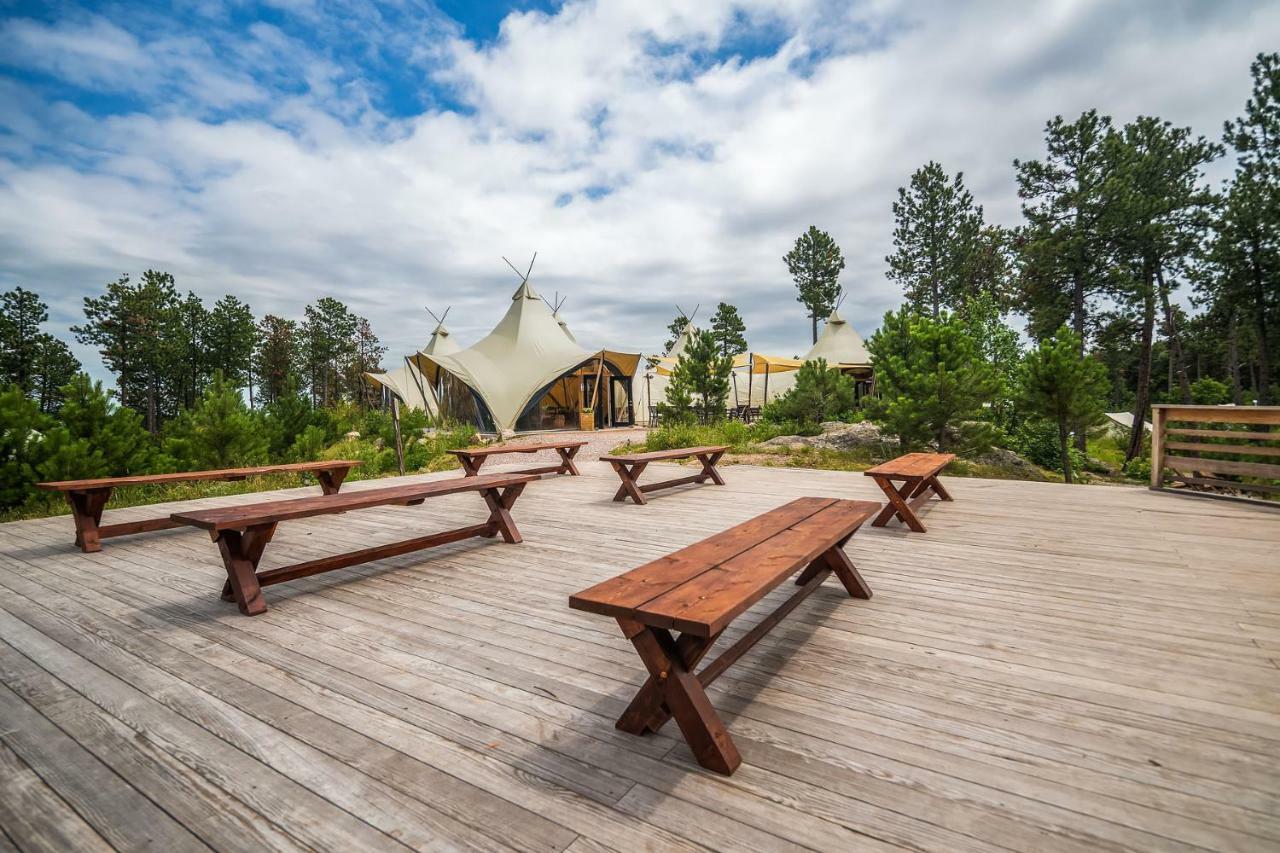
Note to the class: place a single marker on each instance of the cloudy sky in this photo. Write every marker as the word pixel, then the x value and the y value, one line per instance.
pixel 652 152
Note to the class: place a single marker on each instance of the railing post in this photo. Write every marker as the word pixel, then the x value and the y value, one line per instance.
pixel 1157 446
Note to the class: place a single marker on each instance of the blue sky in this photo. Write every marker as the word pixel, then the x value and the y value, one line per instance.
pixel 651 151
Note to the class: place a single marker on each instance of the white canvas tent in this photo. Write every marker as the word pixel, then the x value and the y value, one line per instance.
pixel 414 390
pixel 651 385
pixel 525 362
pixel 840 344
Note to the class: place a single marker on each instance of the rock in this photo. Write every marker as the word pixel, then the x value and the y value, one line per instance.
pixel 999 457
pixel 352 436
pixel 842 436
pixel 791 442
pixel 378 444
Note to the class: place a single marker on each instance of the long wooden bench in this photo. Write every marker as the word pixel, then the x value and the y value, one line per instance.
pixel 701 589
pixel 472 458
pixel 629 467
pixel 88 498
pixel 242 532
pixel 918 473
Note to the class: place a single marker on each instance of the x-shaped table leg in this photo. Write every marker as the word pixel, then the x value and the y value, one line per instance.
pixel 331 479
pixel 898 497
pixel 629 476
pixel 709 471
pixel 566 460
pixel 471 464
pixel 86 511
pixel 241 551
pixel 670 663
pixel 500 503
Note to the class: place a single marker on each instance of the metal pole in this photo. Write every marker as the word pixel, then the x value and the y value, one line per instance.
pixel 395 420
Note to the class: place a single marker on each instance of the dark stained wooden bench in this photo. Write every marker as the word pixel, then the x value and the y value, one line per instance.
pixel 629 467
pixel 918 473
pixel 242 532
pixel 473 457
pixel 88 498
pixel 701 589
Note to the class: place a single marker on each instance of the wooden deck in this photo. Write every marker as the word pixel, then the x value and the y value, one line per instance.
pixel 1048 668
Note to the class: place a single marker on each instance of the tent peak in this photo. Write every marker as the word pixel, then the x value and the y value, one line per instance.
pixel 525 291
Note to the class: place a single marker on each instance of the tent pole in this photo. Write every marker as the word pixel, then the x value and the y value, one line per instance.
pixel 595 392
pixel 766 385
pixel 395 420
pixel 751 374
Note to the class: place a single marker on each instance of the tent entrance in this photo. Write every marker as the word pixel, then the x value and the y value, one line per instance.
pixel 613 403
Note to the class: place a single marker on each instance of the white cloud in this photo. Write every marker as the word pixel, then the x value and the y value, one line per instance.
pixel 709 167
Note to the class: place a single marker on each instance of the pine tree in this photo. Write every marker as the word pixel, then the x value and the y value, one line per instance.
pixel 931 378
pixel 936 227
pixel 815 263
pixel 22 426
pixel 229 342
pixel 675 329
pixel 21 313
pixel 728 329
pixel 701 376
pixel 328 338
pixel 819 394
pixel 134 326
pixel 55 366
pixel 192 365
pixel 1156 210
pixel 1064 245
pixel 277 358
pixel 219 432
pixel 1062 386
pixel 1245 251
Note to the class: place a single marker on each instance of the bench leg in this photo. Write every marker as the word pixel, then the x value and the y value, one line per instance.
pixel 647 711
pixel 897 504
pixel 566 460
pixel 471 465
pixel 241 551
pixel 709 471
pixel 629 475
pixel 86 512
pixel 500 503
pixel 331 479
pixel 938 490
pixel 684 695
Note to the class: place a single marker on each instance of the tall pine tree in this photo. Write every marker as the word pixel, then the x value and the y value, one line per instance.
pixel 727 328
pixel 815 263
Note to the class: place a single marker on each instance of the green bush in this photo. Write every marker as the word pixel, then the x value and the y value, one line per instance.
pixel 737 435
pixel 1139 468
pixel 1210 392
pixel 219 432
pixel 819 394
pixel 21 445
pixel 1037 441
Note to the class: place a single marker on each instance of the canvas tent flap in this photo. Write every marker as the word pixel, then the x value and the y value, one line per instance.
pixel 407 384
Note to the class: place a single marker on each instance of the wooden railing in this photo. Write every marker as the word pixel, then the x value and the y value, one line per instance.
pixel 1206 446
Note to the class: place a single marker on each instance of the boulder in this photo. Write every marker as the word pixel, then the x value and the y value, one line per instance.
pixel 352 436
pixel 841 436
pixel 1002 458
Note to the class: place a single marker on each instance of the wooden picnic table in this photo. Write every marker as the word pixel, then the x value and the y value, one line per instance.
pixel 918 473
pixel 629 466
pixel 88 498
pixel 474 457
pixel 701 589
pixel 242 532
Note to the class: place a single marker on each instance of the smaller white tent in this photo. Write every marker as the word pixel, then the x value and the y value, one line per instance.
pixel 407 382
pixel 840 344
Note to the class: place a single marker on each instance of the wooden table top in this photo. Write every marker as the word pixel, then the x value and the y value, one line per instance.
pixel 702 588
pixel 265 512
pixel 657 455
pixel 183 476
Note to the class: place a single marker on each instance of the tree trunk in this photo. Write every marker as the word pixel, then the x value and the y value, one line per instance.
pixel 1233 357
pixel 1260 319
pixel 152 427
pixel 814 317
pixel 1066 454
pixel 1177 363
pixel 1143 396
